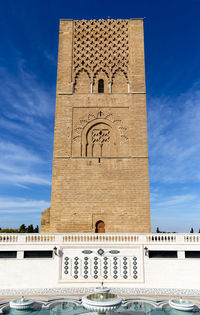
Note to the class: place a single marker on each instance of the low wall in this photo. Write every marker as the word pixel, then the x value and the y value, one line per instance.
pixel 130 261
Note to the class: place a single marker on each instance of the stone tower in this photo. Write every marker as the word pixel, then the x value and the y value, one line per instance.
pixel 100 177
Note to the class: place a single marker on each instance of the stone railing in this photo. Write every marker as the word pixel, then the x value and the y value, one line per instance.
pixel 152 238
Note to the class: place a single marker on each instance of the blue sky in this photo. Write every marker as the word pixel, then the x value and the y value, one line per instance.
pixel 28 58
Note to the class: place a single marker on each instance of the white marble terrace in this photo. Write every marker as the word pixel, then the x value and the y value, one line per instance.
pixel 150 264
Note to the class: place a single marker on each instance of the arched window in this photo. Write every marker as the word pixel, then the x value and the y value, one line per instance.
pixel 100 227
pixel 100 86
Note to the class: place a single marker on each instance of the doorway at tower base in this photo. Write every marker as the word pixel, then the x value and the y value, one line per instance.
pixel 93 222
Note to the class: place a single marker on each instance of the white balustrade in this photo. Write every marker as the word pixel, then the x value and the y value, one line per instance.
pixel 151 238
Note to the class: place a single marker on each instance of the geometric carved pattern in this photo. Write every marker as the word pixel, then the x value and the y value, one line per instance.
pixel 104 137
pixel 125 267
pixel 114 252
pixel 87 252
pixel 95 267
pixel 115 268
pixel 105 267
pixel 100 45
pixel 135 267
pixel 100 135
pixel 100 251
pixel 76 267
pixel 85 267
pixel 66 267
pixel 88 268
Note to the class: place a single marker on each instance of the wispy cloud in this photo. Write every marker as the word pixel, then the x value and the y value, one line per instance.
pixel 19 165
pixel 26 126
pixel 11 151
pixel 22 205
pixel 174 155
pixel 171 202
pixel 173 136
pixel 27 106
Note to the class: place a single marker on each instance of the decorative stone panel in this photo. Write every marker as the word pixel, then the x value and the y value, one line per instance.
pixel 99 132
pixel 100 46
pixel 100 263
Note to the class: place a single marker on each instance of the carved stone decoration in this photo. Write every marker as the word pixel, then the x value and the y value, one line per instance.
pixel 100 135
pixel 114 252
pixel 86 267
pixel 135 273
pixel 76 267
pixel 125 267
pixel 87 251
pixel 100 46
pixel 105 267
pixel 66 265
pixel 97 130
pixel 100 251
pixel 95 267
pixel 115 266
pixel 98 140
pixel 111 264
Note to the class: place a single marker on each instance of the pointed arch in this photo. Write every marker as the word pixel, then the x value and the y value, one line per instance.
pixel 101 74
pixel 119 82
pixel 99 138
pixel 100 70
pixel 82 82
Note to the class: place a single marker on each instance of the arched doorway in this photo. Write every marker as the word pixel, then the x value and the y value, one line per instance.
pixel 100 227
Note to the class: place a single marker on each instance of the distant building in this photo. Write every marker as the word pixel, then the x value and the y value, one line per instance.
pixel 100 177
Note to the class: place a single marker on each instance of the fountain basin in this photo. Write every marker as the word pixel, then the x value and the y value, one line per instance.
pixel 21 304
pixel 181 304
pixel 101 302
pixel 101 290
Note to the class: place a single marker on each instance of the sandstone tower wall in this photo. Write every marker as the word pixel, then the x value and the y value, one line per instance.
pixel 100 166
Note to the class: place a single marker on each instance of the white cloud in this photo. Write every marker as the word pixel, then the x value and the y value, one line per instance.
pixel 22 205
pixel 26 129
pixel 27 106
pixel 28 179
pixel 170 202
pixel 11 151
pixel 18 165
pixel 173 136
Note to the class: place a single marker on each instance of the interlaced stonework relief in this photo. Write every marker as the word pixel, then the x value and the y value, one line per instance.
pixel 103 134
pixel 99 133
pixel 100 46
